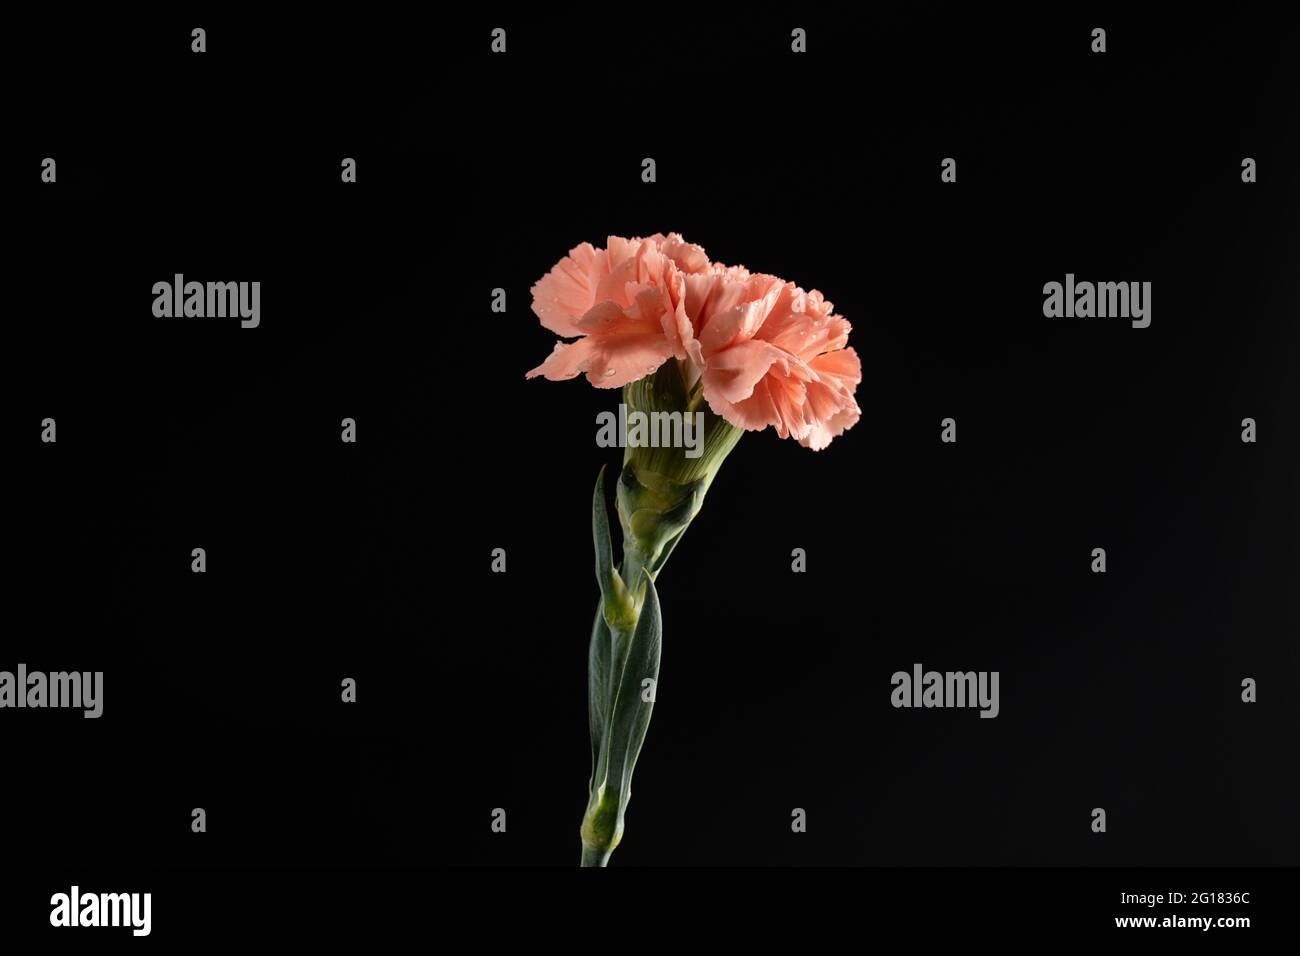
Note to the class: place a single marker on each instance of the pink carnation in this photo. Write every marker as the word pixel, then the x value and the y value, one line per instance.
pixel 764 351
pixel 623 303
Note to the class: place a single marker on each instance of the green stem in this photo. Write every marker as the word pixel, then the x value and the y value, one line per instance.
pixel 660 491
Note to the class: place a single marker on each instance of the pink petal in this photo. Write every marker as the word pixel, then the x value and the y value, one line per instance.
pixel 732 374
pixel 569 289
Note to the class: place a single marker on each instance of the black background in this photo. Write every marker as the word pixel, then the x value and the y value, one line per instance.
pixel 372 561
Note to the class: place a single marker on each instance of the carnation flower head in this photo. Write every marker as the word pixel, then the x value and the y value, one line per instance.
pixel 623 304
pixel 759 350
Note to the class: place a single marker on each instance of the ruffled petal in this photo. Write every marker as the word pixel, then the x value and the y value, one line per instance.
pixel 569 289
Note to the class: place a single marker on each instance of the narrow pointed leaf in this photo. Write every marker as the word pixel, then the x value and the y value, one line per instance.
pixel 599 662
pixel 600 654
pixel 600 537
pixel 631 712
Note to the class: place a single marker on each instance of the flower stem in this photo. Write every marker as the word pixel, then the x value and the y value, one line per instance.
pixel 660 491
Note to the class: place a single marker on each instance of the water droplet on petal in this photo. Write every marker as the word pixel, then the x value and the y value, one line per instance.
pixel 609 372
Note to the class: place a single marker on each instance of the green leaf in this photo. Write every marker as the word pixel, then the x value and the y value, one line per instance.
pixel 623 653
pixel 599 666
pixel 600 653
pixel 600 536
pixel 620 612
pixel 630 715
